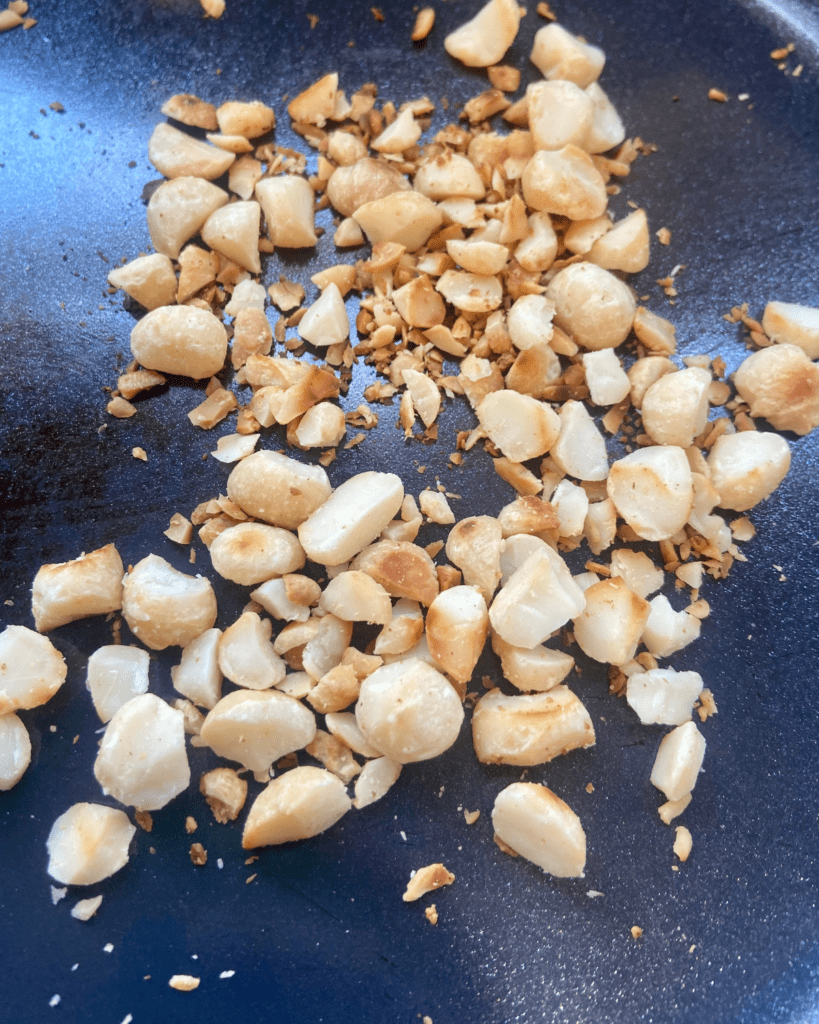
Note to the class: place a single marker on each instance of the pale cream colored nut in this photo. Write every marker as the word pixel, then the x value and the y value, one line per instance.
pixel 375 781
pixel 612 623
pixel 419 304
pixel 662 696
pixel 682 843
pixel 289 597
pixel 234 447
pixel 244 175
pixel 225 792
pixel 537 250
pixel 538 598
pixel 325 650
pixel 426 398
pixel 149 280
pixel 656 333
pixel 449 175
pixel 747 467
pixel 559 55
pixel 248 119
pixel 322 426
pixel 317 103
pixel 592 305
pixel 15 750
pixel 581 235
pixel 522 427
pixel 646 371
pixel 297 684
pixel 177 155
pixel 231 143
pixel 164 607
pixel 297 805
pixel 233 231
pixel 790 324
pixel 532 729
pixel 678 762
pixel 427 879
pixel 526 514
pixel 184 340
pixel 403 133
pixel 600 527
pixel 652 490
pixel 535 669
pixel 517 549
pixel 356 597
pixel 484 39
pixel 325 322
pixel 116 673
pixel 456 628
pixel 571 504
pixel 534 371
pixel 529 322
pixel 673 809
pixel 607 380
pixel 351 517
pixel 251 553
pixel 142 760
pixel 403 631
pixel 406 218
pixel 706 497
pixel 481 257
pixel 278 489
pixel 66 591
pixel 403 570
pixel 625 247
pixel 247 294
pixel 336 690
pixel 675 407
pixel 607 130
pixel 178 209
pixel 288 405
pixel 31 669
pixel 257 727
pixel 246 656
pixel 435 507
pixel 187 982
pixel 560 113
pixel 84 910
pixel 667 631
pixel 409 711
pixel 190 110
pixel 345 149
pixel 87 843
pixel 287 202
pixel 637 570
pixel 580 449
pixel 471 293
pixel 538 825
pixel 198 676
pixel 343 726
pixel 365 181
pixel 566 182
pixel 781 384
pixel 474 545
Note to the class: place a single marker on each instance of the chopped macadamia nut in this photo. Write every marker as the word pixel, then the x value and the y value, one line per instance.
pixel 244 175
pixel 409 711
pixel 571 503
pixel 790 324
pixel 376 779
pixel 435 507
pixel 404 132
pixel 219 404
pixel 682 843
pixel 278 489
pixel 538 825
pixel 746 468
pixel 184 340
pixel 246 656
pixel 485 38
pixel 407 218
pixel 87 843
pixel 607 380
pixel 257 727
pixel 163 607
pixel 424 21
pixel 781 384
pixel 456 629
pixel 180 529
pixel 233 231
pixel 248 119
pixel 474 545
pixel 529 323
pixel 625 247
pixel 198 676
pixel 403 631
pixel 522 427
pixel 326 648
pixel 149 280
pixel 565 182
pixel 287 203
pixel 425 880
pixel 190 110
pixel 365 181
pixel 15 750
pixel 247 294
pixel 637 570
pixel 538 598
pixel 343 726
pixel 560 113
pixel 335 690
pixel 675 407
pixel 178 155
pixel 298 805
pixel 142 760
pixel 678 762
pixel 317 103
pixel 356 597
pixel 663 696
pixel 225 793
pixel 67 591
pixel 403 569
pixel 600 527
pixel 116 674
pixel 607 130
pixel 289 597
pixel 653 491
pixel 517 549
pixel 532 670
pixel 673 809
pixel 667 631
pixel 449 175
pixel 178 209
pixel 325 322
pixel 322 426
pixel 580 449
pixel 187 982
pixel 251 553
pixel 31 669
pixel 559 55
pixel 658 335
pixel 234 447
pixel 592 305
pixel 645 372
pixel 84 910
pixel 611 624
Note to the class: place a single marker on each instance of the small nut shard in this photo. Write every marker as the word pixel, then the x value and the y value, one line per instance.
pixel 682 843
pixel 427 879
pixel 186 982
pixel 88 843
pixel 538 825
pixel 225 792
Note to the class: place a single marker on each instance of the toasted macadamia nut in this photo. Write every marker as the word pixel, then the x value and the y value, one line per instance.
pixel 289 597
pixel 637 570
pixel 655 333
pixel 426 398
pixel 571 504
pixel 559 54
pixel 148 280
pixel 322 426
pixel 581 235
pixel 566 182
pixel 142 760
pixel 31 669
pixel 529 730
pixel 356 597
pixel 257 727
pixel 456 628
pixel 790 324
pixel 404 217
pixel 177 155
pixel 190 110
pixel 529 322
pixel 298 805
pixel 536 824
pixel 675 407
pixel 404 132
pixel 653 491
pixel 248 119
pixel 287 203
pixel 474 545
pixel 611 624
pixel 345 149
pixel 535 669
pixel 781 384
pixel 251 553
pixel 522 427
pixel 177 211
pixel 15 750
pixel 678 762
pixel 403 569
pixel 351 517
pixel 403 631
pixel 234 232
pixel 343 726
pixel 163 607
pixel 517 549
pixel 745 468
pixel 325 322
pixel 246 656
pixel 667 631
pixel 560 113
pixel 87 843
pixel 409 711
pixel 198 676
pixel 663 696
pixel 317 103
pixel 278 489
pixel 625 247
pixel 67 591
pixel 644 372
pixel 325 650
pixel 484 39
pixel 116 674
pixel 591 305
pixel 449 175
pixel 365 181
pixel 376 779
pixel 580 449
pixel 600 527
pixel 537 250
pixel 184 340
pixel 607 380
pixel 225 792
pixel 607 129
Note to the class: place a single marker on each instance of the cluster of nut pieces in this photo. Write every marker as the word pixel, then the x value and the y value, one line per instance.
pixel 492 249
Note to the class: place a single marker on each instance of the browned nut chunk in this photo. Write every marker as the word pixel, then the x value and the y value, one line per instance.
pixel 88 585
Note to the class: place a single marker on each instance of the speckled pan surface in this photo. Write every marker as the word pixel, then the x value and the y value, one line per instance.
pixel 321 933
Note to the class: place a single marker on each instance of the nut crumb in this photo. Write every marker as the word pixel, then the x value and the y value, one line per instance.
pixel 431 914
pixel 140 453
pixel 589 787
pixel 144 820
pixel 470 817
pixel 250 879
pixel 663 236
pixel 184 982
pixel 636 932
pixel 190 824
pixel 427 879
pixel 717 95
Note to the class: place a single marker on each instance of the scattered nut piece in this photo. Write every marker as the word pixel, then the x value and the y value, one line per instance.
pixel 427 879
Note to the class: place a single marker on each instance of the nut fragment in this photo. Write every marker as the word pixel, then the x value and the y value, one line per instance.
pixel 653 490
pixel 225 793
pixel 278 489
pixel 251 553
pixel 66 591
pixel 485 38
pixel 15 750
pixel 539 826
pixel 184 340
pixel 297 805
pixel 679 759
pixel 531 729
pixel 427 879
pixel 31 669
pixel 87 843
pixel 164 607
pixel 116 673
pixel 746 468
pixel 781 384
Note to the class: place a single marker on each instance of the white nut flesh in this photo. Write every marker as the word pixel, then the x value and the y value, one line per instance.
pixel 447 176
pixel 456 629
pixel 365 181
pixel 558 54
pixel 87 843
pixel 580 449
pixel 667 631
pixel 404 132
pixel 116 674
pixel 781 384
pixel 607 381
pixel 149 280
pixel 376 779
pixel 248 119
pixel 426 398
pixel 612 622
pixel 592 305
pixel 257 727
pixel 278 489
pixel 560 113
pixel 177 155
pixel 537 250
pixel 345 149
pixel 474 545
pixel 531 729
pixel 322 426
pixel 67 591
pixel 325 650
pixel 625 247
pixel 663 696
pixel 164 607
pixel 31 669
pixel 484 39
pixel 607 130
pixel 409 711
pixel 675 408
pixel 403 631
pixel 637 570
pixel 471 293
pixel 531 820
pixel 325 322
pixel 289 597
pixel 572 505
pixel 404 217
pixel 343 726
pixel 252 553
pixel 521 426
pixel 177 211
pixel 287 203
pixel 538 598
pixel 600 527
pixel 246 656
pixel 356 597
pixel 234 232
pixel 317 102
pixel 566 182
pixel 298 805
pixel 790 324
pixel 678 762
pixel 15 750
pixel 529 322
pixel 142 760
pixel 198 676
pixel 581 235
pixel 746 468
pixel 653 491
pixel 532 670
pixel 351 517
pixel 183 340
